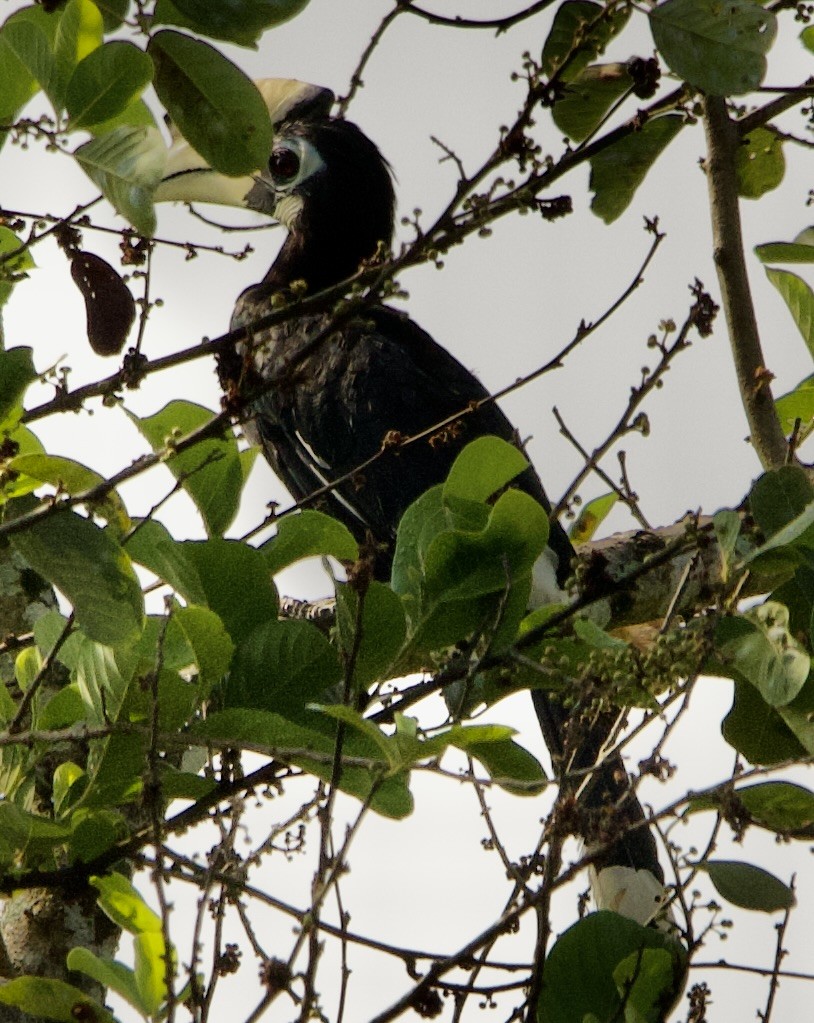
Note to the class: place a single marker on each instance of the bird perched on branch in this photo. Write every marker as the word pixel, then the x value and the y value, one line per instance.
pixel 348 388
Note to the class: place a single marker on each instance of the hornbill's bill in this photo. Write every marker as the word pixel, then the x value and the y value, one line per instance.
pixel 378 374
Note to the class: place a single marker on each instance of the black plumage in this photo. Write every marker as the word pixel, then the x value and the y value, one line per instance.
pixel 378 374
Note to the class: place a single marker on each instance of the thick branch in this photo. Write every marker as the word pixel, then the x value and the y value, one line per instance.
pixel 723 139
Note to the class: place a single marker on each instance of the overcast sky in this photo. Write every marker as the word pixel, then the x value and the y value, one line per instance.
pixel 503 305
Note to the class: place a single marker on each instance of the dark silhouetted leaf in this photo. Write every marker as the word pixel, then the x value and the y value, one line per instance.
pixel 239 21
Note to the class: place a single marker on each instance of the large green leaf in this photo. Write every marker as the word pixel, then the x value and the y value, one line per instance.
pixel 126 164
pixel 208 642
pixel 90 568
pixel 720 48
pixel 111 974
pixel 238 21
pixel 584 981
pixel 106 82
pixel 12 267
pixel 124 905
pixel 215 106
pixel 616 172
pixel 17 83
pixel 283 666
pixel 236 582
pixel 748 886
pixel 798 296
pixel 483 467
pixel 210 471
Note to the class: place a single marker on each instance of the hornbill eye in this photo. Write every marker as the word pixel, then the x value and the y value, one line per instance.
pixel 284 164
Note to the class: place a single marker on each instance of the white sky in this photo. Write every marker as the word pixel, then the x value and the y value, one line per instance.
pixel 502 305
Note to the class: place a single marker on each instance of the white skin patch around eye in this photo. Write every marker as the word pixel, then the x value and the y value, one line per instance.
pixel 287 209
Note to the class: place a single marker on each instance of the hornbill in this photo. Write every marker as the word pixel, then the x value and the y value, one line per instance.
pixel 378 374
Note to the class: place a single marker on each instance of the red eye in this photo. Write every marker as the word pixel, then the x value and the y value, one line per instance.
pixel 284 164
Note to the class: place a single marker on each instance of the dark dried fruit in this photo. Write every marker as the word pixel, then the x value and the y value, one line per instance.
pixel 109 305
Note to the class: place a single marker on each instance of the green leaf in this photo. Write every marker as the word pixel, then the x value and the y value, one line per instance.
pixel 591 517
pixel 763 651
pixel 587 966
pixel 113 13
pixel 120 901
pixel 759 732
pixel 93 832
pixel 150 970
pixel 306 535
pixel 70 477
pixel 109 974
pixel 17 84
pixel 16 373
pixel 781 807
pixel 106 82
pixel 462 564
pixel 797 404
pixel 79 32
pixel 210 471
pixel 12 268
pixel 152 546
pixel 571 33
pixel 93 572
pixel 53 999
pixel 383 628
pixel 208 641
pixel 236 582
pixel 126 164
pixel 720 48
pixel 778 497
pixel 483 467
pixel 588 98
pixel 283 666
pixel 388 796
pixel 759 163
pixel 727 530
pixel 799 298
pixel 29 47
pixel 238 21
pixel 508 764
pixel 215 106
pixel 785 252
pixel 617 171
pixel 748 886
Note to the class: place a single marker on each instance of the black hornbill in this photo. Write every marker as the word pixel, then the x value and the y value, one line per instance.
pixel 380 373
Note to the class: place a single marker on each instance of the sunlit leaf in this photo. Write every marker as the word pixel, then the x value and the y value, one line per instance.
pixel 797 404
pixel 80 31
pixel 105 82
pixel 109 974
pixel 119 900
pixel 591 517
